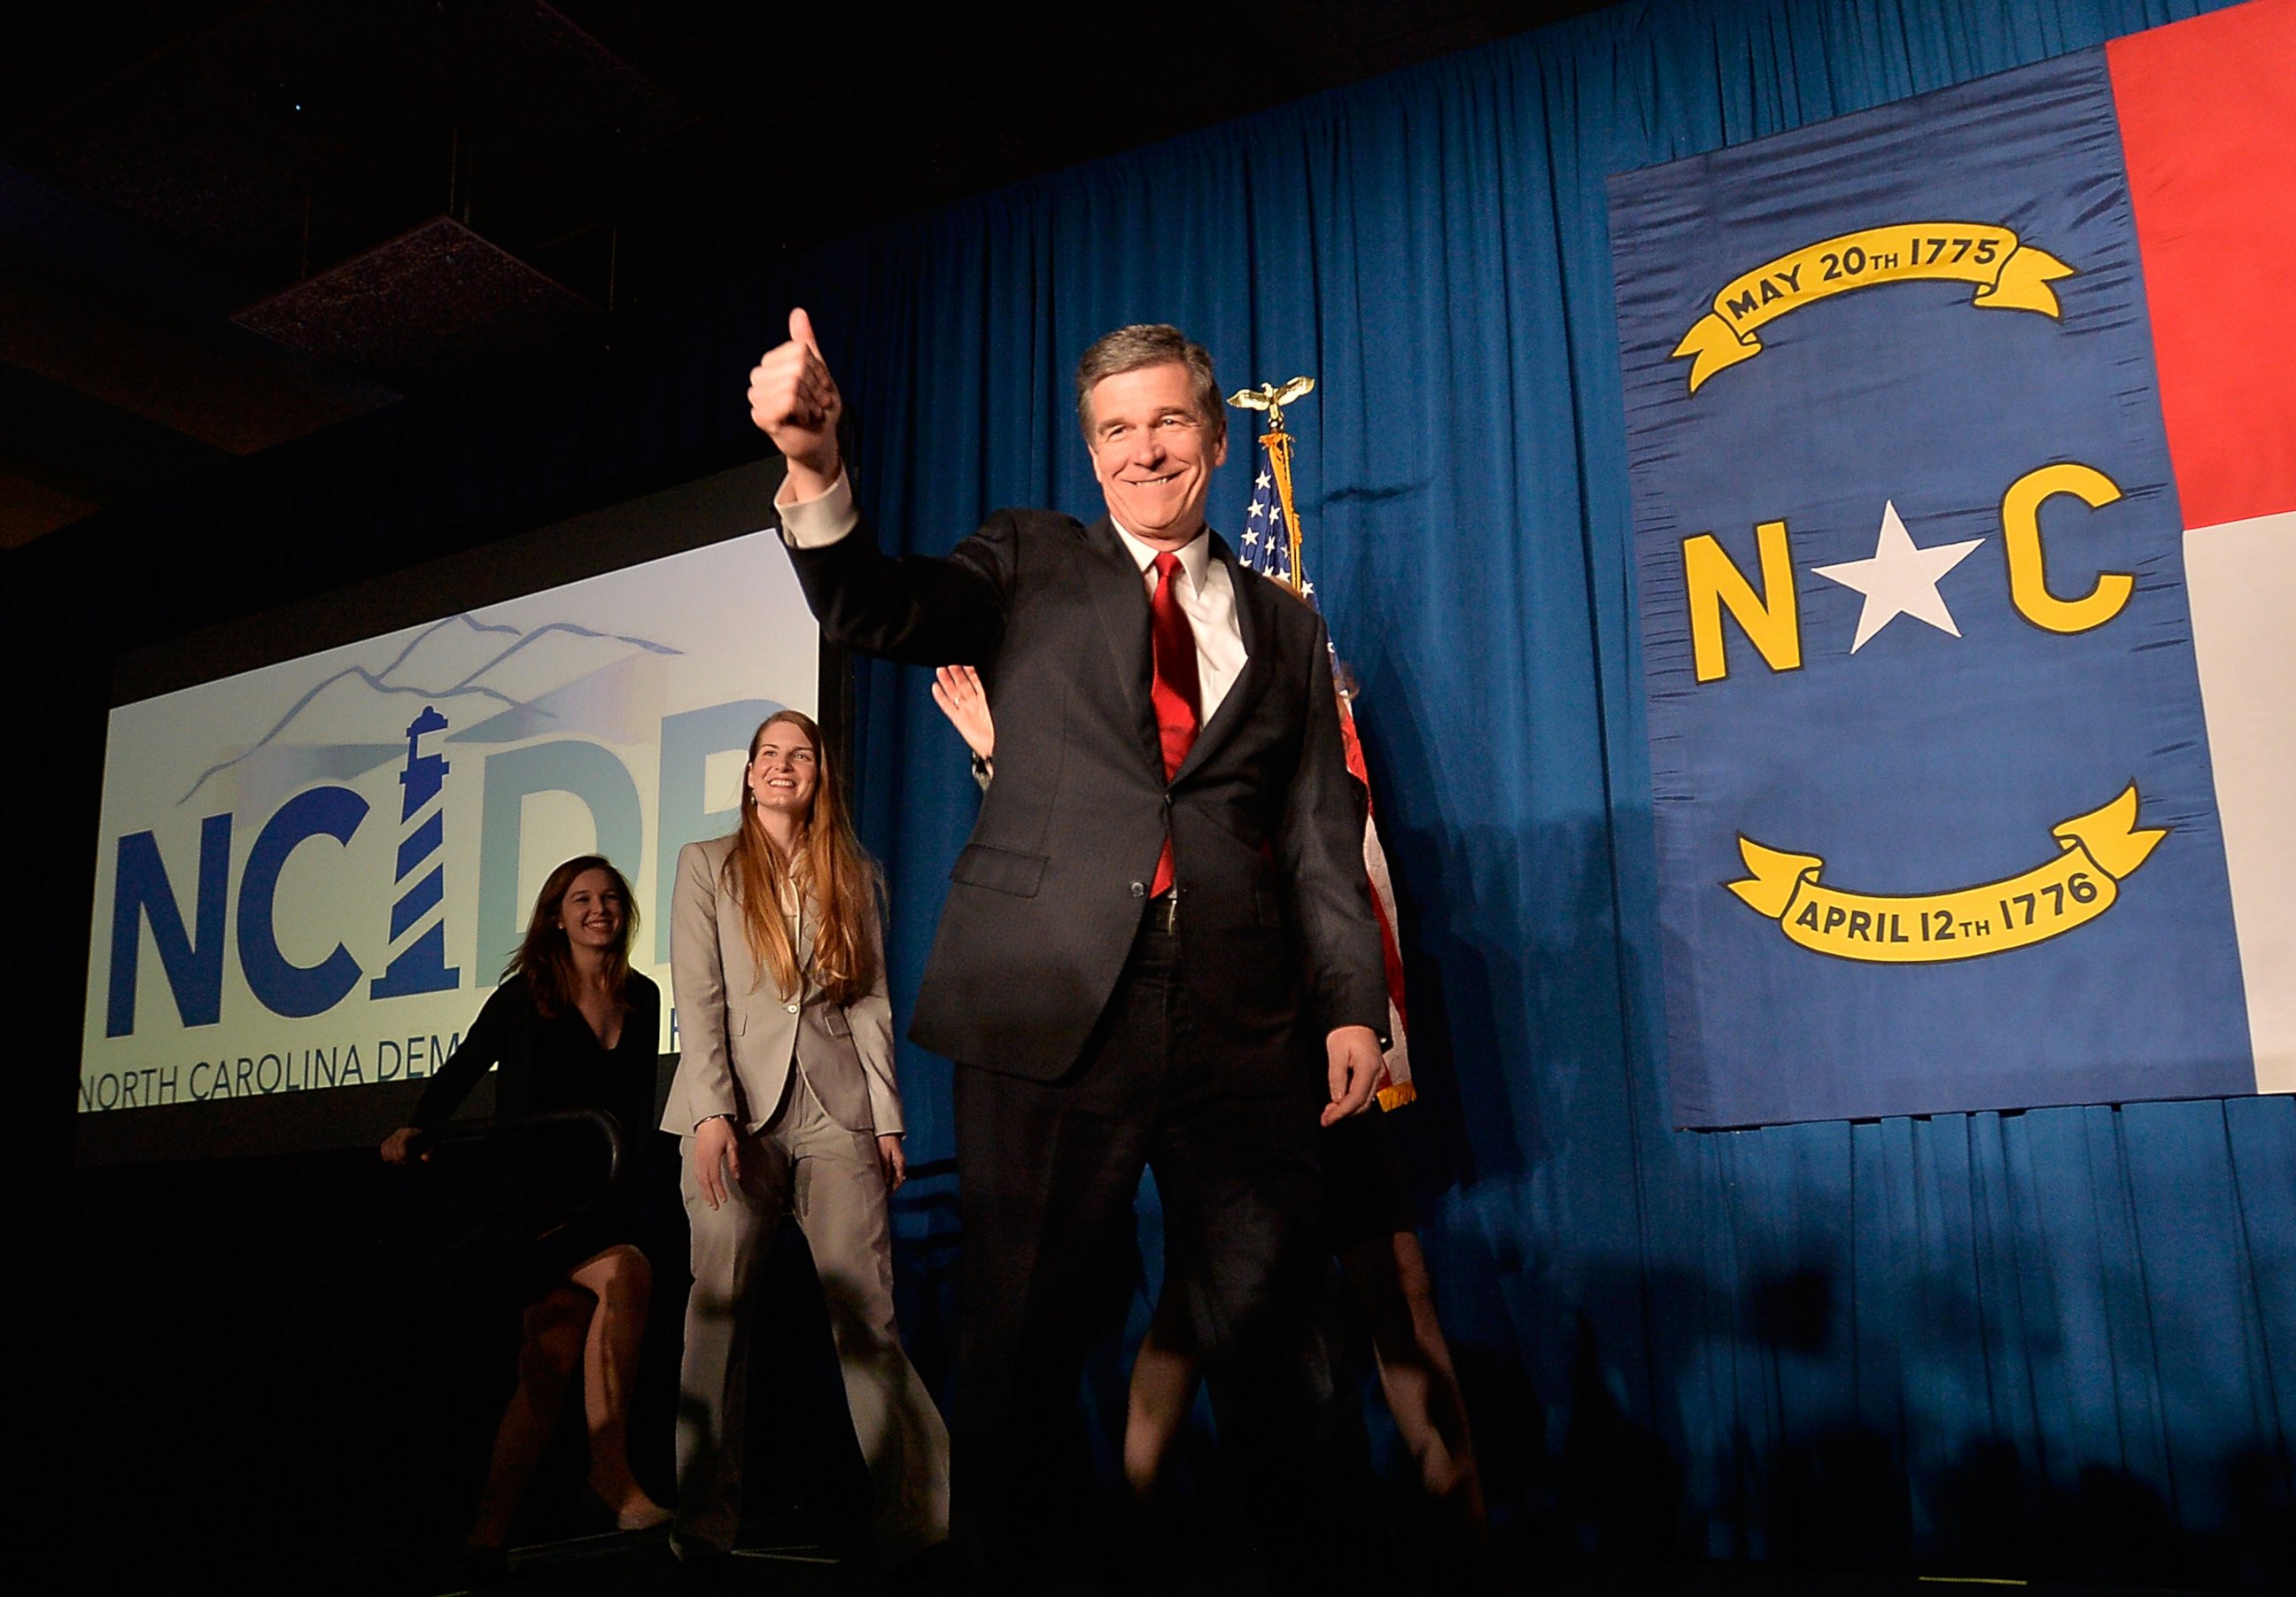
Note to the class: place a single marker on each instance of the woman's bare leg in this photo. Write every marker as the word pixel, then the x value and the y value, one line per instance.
pixel 1163 1389
pixel 622 1282
pixel 548 1357
pixel 1389 1275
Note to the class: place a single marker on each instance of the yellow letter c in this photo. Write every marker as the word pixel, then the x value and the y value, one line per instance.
pixel 2021 530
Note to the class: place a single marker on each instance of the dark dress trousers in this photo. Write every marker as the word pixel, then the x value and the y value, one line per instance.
pixel 1092 1037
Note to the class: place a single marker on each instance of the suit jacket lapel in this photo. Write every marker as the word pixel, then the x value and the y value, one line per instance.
pixel 1122 599
pixel 1258 630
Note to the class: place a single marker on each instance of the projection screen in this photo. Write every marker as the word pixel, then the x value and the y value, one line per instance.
pixel 310 872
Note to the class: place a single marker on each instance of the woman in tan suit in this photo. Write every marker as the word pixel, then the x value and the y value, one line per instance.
pixel 785 1101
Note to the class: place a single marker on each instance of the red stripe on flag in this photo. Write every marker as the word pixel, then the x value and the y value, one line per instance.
pixel 2208 127
pixel 1390 952
pixel 1391 947
pixel 1351 744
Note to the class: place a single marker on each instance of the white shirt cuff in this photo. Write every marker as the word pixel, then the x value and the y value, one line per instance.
pixel 815 523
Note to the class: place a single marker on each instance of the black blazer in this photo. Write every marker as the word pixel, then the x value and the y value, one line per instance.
pixel 1278 943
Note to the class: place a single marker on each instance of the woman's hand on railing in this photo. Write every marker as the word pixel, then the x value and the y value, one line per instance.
pixel 400 1148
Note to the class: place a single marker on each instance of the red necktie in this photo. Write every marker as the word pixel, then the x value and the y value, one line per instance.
pixel 1172 644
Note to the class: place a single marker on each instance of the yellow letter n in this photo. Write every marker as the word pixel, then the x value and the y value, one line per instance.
pixel 1770 619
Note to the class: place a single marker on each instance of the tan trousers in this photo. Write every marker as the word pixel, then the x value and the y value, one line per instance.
pixel 805 1164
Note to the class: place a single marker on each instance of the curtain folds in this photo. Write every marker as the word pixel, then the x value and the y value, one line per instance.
pixel 2058 1343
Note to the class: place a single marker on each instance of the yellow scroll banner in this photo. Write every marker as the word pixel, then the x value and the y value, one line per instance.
pixel 2099 849
pixel 2008 275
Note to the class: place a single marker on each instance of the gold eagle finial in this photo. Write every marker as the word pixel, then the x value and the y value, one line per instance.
pixel 1272 397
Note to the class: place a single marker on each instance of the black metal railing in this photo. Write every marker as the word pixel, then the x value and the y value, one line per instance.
pixel 522 1222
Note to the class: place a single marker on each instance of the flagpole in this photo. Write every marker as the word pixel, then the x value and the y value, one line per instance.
pixel 1279 456
pixel 1395 1088
pixel 1272 399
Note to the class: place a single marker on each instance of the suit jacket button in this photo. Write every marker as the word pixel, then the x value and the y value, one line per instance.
pixel 791 1007
pixel 1139 890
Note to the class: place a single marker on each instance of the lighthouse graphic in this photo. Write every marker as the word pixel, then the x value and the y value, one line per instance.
pixel 420 963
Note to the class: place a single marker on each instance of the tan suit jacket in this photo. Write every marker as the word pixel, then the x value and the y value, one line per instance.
pixel 738 1034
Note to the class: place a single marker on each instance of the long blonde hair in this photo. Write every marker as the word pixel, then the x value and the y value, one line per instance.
pixel 829 868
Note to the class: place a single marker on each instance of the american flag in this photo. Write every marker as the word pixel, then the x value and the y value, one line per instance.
pixel 1267 549
pixel 1265 546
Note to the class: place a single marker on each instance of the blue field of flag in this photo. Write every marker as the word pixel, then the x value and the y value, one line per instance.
pixel 1936 819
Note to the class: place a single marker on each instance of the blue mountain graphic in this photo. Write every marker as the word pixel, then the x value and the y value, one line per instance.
pixel 469 683
pixel 547 627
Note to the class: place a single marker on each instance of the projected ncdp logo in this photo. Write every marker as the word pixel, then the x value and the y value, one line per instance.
pixel 311 873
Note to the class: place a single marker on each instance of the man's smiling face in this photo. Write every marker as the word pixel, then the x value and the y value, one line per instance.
pixel 1153 454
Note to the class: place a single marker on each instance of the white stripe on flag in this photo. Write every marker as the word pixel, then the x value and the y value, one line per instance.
pixel 2240 574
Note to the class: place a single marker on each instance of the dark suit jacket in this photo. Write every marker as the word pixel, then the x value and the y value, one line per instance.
pixel 1278 943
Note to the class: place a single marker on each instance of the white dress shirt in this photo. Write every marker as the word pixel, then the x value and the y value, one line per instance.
pixel 1206 593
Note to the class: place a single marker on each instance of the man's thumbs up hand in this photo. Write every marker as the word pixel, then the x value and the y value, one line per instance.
pixel 801 330
pixel 794 401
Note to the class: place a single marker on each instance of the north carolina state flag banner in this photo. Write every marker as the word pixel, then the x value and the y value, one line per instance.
pixel 1963 436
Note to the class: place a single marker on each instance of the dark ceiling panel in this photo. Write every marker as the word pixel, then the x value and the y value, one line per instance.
pixel 443 189
pixel 30 510
pixel 102 247
pixel 204 378
pixel 56 436
pixel 53 54
pixel 438 306
pixel 304 131
pixel 193 143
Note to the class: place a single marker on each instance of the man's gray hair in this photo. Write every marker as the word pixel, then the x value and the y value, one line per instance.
pixel 1150 344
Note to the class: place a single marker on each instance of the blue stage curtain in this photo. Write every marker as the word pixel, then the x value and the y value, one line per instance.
pixel 2061 1343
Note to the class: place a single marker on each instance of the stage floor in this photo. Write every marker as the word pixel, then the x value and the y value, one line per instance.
pixel 623 1566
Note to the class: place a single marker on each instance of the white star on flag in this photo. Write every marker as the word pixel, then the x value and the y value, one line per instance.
pixel 1266 531
pixel 1899 580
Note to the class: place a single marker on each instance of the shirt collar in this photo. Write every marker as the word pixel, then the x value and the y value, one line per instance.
pixel 1195 555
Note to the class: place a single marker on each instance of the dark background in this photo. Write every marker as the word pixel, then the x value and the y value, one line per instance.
pixel 2057 1344
pixel 224 225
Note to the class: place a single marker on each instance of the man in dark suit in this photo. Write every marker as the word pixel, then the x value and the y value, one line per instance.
pixel 1158 948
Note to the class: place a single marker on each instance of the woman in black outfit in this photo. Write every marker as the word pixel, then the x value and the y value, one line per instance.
pixel 570 1027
